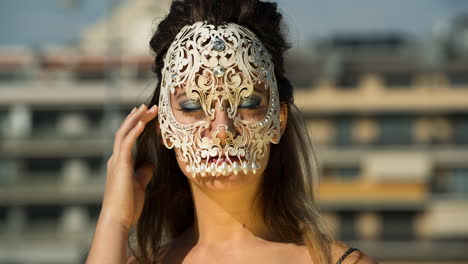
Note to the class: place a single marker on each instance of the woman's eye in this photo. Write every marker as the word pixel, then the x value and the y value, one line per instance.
pixel 250 102
pixel 190 106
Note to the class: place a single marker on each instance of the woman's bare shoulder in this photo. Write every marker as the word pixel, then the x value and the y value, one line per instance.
pixel 174 252
pixel 356 257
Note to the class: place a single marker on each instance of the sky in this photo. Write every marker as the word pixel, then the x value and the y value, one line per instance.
pixel 38 22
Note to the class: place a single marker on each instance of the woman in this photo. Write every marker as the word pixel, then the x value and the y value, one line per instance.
pixel 226 173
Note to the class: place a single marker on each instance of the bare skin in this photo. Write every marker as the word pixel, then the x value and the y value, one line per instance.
pixel 227 228
pixel 124 192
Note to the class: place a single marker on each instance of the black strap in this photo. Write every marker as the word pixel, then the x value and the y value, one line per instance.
pixel 351 249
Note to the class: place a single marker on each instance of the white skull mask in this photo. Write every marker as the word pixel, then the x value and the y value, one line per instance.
pixel 219 66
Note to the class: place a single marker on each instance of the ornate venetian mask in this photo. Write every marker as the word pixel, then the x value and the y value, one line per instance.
pixel 219 70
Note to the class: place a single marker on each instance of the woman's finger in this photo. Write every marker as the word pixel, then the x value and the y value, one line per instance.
pixel 150 114
pixel 127 125
pixel 128 142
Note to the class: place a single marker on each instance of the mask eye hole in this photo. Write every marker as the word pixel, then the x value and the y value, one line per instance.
pixel 189 106
pixel 185 110
pixel 192 111
pixel 251 102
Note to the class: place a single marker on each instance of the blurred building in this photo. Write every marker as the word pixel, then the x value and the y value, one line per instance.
pixel 391 130
pixel 388 116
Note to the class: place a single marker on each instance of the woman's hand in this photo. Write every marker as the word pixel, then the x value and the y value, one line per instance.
pixel 125 188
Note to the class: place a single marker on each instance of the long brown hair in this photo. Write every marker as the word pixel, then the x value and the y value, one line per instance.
pixel 287 188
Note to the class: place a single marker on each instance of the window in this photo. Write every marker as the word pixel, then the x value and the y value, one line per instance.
pixel 458 78
pixel 458 182
pixel 95 163
pixel 3 122
pixel 44 122
pixel 460 129
pixel 3 215
pixel 43 216
pixel 8 171
pixel 342 173
pixel 395 130
pixel 347 173
pixel 89 76
pixel 343 130
pixel 439 180
pixel 348 80
pixel 38 170
pixel 397 225
pixel 399 79
pixel 347 225
pixel 12 75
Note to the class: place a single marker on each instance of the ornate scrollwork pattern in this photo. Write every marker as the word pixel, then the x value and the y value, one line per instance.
pixel 218 65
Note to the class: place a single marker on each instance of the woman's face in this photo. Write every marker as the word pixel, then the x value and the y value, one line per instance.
pixel 252 109
pixel 219 106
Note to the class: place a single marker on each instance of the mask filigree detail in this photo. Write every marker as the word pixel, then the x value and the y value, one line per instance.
pixel 218 65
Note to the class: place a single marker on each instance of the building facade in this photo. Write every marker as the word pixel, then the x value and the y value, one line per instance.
pixel 388 119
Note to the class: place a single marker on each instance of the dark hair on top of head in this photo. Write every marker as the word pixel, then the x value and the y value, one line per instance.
pixel 287 187
pixel 262 18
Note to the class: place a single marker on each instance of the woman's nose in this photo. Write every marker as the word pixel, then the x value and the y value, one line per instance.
pixel 222 127
pixel 223 134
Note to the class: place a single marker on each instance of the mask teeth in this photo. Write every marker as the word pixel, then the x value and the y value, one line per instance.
pixel 223 168
pixel 213 169
pixel 255 166
pixel 235 167
pixel 203 170
pixel 245 167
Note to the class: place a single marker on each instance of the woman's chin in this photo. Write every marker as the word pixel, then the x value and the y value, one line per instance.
pixel 228 181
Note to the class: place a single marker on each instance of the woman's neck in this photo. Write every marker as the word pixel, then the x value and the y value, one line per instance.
pixel 223 216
